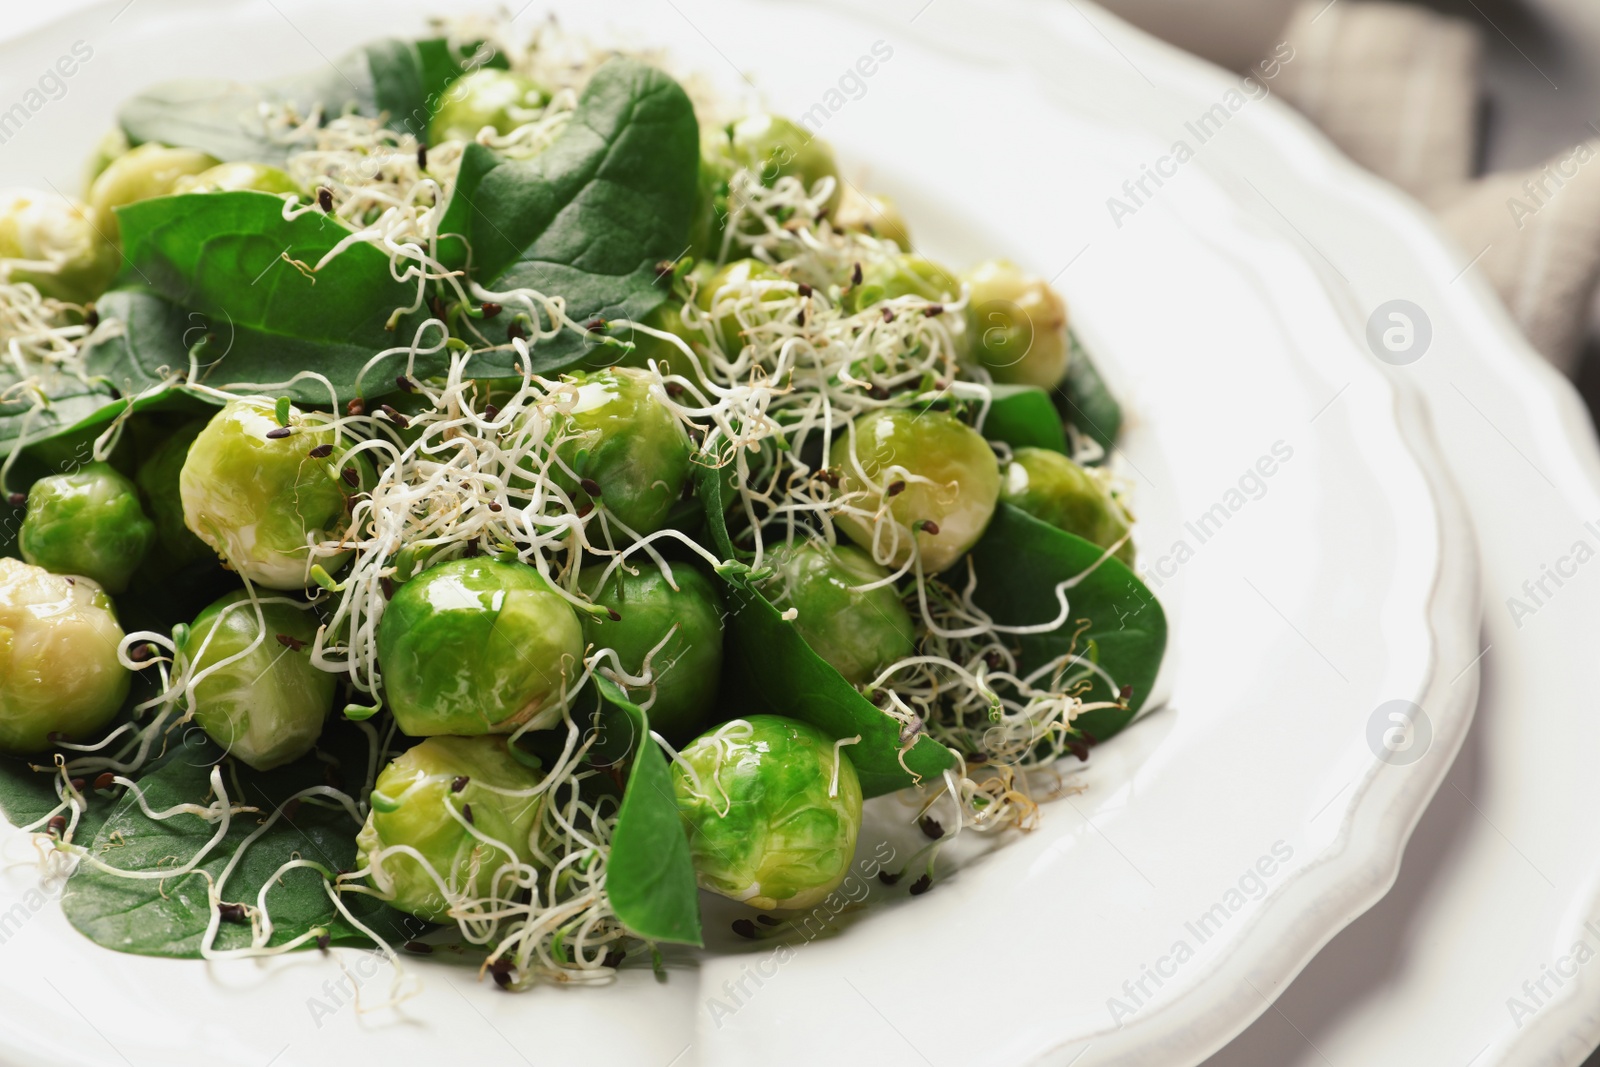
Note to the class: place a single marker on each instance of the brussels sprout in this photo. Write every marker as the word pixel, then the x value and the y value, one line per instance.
pixel 688 667
pixel 858 633
pixel 50 243
pixel 476 646
pixel 709 220
pixel 268 706
pixel 158 484
pixel 1049 486
pixel 903 275
pixel 943 490
pixel 729 327
pixel 773 808
pixel 112 145
pixel 59 672
pixel 234 177
pixel 872 214
pixel 485 97
pixel 147 171
pixel 87 523
pixel 1017 325
pixel 443 797
pixel 259 498
pixel 669 319
pixel 628 444
pixel 774 148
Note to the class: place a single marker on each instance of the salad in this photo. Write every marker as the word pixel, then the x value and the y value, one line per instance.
pixel 485 495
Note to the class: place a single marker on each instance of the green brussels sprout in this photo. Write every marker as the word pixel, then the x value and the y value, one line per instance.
pixel 1049 486
pixel 268 706
pixel 234 177
pixel 260 499
pixel 485 97
pixel 1017 326
pixel 872 214
pixel 112 145
pixel 628 444
pixel 476 646
pixel 709 220
pixel 943 490
pixel 432 798
pixel 669 319
pixel 730 329
pixel 158 483
pixel 774 148
pixel 59 672
pixel 858 633
pixel 51 243
pixel 773 808
pixel 148 171
pixel 87 523
pixel 688 668
pixel 903 275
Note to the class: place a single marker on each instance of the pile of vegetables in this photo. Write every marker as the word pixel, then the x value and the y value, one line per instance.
pixel 482 497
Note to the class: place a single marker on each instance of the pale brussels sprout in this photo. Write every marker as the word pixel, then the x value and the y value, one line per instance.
pixel 176 544
pixel 51 243
pixel 477 646
pixel 87 523
pixel 266 707
pixel 147 171
pixel 773 147
pixel 628 445
pixel 903 275
pixel 739 312
pixel 59 672
pixel 1049 486
pixel 857 632
pixel 254 491
pixel 1017 326
pixel 237 177
pixel 465 804
pixel 933 478
pixel 872 214
pixel 113 144
pixel 773 810
pixel 485 97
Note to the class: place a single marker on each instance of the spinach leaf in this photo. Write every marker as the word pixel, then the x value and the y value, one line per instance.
pixel 650 876
pixel 1084 400
pixel 168 917
pixel 146 336
pixel 228 256
pixel 1023 417
pixel 1019 562
pixel 402 79
pixel 591 217
pixel 70 403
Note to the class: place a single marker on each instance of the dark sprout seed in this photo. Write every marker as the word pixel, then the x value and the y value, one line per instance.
pixel 494 505
pixel 91 318
pixel 386 583
pixel 57 825
pixel 515 331
pixel 584 509
pixel 993 660
pixel 664 267
pixel 590 486
pixel 800 319
pixel 323 942
pixel 805 290
pixel 291 809
pixel 422 157
pixel 231 913
pixel 931 827
pixel 405 384
pixel 766 920
pixel 1126 692
pixel 77 785
pixel 278 433
pixel 17 500
pixel 459 784
pixel 745 928
pixel 292 643
pixel 325 199
pixel 356 407
pixel 351 476
pixel 1079 749
pixel 501 967
pixel 978 757
pixel 399 419
pixel 933 310
pixel 674 389
pixel 888 314
pixel 895 488
pixel 419 947
pixel 614 616
pixel 594 325
pixel 491 412
pixel 614 958
pixel 890 877
pixel 105 781
pixel 114 392
pixel 878 392
pixel 502 979
pixel 140 653
pixel 922 885
pixel 490 310
pixel 466 813
pixel 930 527
pixel 855 275
pixel 321 452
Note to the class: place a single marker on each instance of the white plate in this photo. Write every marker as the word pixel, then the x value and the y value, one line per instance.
pixel 1247 822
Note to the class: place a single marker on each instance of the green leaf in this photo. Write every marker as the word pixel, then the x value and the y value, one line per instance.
pixel 592 216
pixel 153 339
pixel 167 917
pixel 1084 400
pixel 650 876
pixel 227 256
pixel 1023 416
pixel 403 79
pixel 70 404
pixel 1021 560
